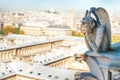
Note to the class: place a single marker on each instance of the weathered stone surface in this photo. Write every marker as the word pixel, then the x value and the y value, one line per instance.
pixel 103 65
pixel 97 30
pixel 84 76
pixel 103 61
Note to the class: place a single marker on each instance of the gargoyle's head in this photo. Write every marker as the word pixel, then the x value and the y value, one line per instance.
pixel 87 23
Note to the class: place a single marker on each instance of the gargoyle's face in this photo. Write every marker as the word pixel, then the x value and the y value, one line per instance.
pixel 87 25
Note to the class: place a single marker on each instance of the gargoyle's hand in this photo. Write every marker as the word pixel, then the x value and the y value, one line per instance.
pixel 83 29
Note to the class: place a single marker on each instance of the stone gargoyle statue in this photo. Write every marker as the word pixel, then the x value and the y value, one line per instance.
pixel 97 29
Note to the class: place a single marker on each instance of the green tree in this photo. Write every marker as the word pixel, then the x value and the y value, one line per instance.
pixel 8 29
pixel 48 11
pixel 78 34
pixel 1 32
pixel 55 12
pixel 11 29
pixel 22 32
pixel 17 30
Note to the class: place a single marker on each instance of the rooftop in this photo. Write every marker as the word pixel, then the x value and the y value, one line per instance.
pixel 36 71
pixel 23 41
pixel 59 27
pixel 49 57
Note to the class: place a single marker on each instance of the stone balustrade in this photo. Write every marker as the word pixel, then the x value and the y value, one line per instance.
pixel 9 54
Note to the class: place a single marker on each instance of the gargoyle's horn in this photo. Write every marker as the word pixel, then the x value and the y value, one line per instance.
pixel 93 11
pixel 86 13
pixel 89 14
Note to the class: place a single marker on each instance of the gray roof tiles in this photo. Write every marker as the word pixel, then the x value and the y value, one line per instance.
pixel 38 71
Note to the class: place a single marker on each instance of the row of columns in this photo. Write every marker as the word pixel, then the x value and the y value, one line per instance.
pixel 61 63
pixel 8 55
pixel 31 50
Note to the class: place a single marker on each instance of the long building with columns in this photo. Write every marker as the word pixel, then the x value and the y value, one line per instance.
pixel 8 54
pixel 56 52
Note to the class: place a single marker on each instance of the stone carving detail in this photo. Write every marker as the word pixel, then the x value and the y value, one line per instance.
pixel 116 75
pixel 97 29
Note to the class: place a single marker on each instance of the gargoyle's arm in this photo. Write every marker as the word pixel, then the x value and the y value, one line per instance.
pixel 90 42
pixel 98 38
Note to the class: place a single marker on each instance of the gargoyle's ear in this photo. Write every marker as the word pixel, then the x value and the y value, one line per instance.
pixel 86 13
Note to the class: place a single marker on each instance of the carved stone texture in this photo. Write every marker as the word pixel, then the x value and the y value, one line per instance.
pixel 87 76
pixel 115 74
pixel 97 30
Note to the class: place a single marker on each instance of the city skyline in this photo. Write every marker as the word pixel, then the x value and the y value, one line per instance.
pixel 76 5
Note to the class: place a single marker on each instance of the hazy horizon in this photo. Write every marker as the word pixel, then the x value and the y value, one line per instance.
pixel 112 6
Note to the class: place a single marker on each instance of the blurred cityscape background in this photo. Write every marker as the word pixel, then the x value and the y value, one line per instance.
pixel 40 44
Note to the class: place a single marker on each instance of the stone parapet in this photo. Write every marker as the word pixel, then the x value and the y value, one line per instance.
pixel 103 65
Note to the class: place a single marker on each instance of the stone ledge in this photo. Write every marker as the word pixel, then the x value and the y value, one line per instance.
pixel 115 54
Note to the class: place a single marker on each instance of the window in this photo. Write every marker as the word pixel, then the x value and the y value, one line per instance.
pixel 31 72
pixel 20 70
pixel 10 71
pixel 41 62
pixel 45 60
pixel 49 75
pixel 3 73
pixel 20 58
pixel 39 73
pixel 56 77
pixel 49 59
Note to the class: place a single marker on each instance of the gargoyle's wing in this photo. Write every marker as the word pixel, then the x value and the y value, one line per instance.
pixel 105 21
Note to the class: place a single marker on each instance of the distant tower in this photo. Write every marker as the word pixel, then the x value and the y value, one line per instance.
pixel 1 25
pixel 69 19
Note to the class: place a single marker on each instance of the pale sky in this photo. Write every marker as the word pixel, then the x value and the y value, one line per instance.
pixel 112 6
